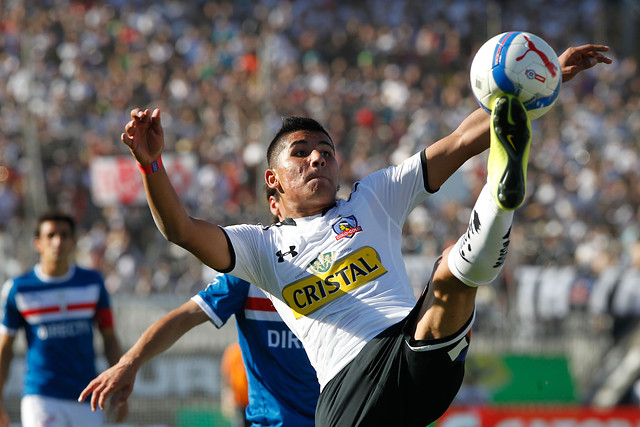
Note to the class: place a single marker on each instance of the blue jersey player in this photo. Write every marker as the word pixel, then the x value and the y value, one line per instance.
pixel 283 387
pixel 57 304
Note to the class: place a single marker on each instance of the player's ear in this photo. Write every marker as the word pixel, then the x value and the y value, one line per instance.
pixel 274 207
pixel 271 178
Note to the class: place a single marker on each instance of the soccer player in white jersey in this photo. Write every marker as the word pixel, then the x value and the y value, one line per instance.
pixel 334 270
pixel 57 303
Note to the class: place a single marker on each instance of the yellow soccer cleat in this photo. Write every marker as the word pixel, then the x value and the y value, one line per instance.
pixel 509 152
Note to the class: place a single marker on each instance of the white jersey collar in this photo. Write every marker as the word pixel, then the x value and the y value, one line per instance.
pixel 53 279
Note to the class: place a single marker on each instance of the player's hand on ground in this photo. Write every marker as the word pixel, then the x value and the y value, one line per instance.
pixel 118 380
pixel 144 135
pixel 580 58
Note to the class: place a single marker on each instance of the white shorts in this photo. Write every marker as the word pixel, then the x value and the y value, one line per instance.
pixel 39 410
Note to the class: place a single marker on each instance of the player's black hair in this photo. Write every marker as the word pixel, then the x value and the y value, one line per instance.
pixel 55 216
pixel 292 124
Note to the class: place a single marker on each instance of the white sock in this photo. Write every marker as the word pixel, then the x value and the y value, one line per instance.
pixel 478 256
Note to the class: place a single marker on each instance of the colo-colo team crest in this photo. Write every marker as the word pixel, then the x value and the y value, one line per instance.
pixel 346 227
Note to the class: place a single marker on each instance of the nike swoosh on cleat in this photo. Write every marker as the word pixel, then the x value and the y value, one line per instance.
pixel 509 138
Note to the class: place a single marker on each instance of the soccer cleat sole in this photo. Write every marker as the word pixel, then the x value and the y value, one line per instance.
pixel 509 152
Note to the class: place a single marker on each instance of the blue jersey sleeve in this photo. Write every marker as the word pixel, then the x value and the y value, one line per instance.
pixel 224 296
pixel 12 319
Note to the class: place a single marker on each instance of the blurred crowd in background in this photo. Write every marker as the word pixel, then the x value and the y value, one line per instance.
pixel 386 78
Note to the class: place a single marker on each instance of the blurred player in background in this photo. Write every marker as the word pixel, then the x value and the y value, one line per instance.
pixel 234 393
pixel 283 387
pixel 57 303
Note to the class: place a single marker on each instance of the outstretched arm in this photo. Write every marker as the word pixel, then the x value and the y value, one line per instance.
pixel 161 335
pixel 145 138
pixel 445 156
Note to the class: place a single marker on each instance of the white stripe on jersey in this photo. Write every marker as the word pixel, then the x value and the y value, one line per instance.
pixel 260 307
pixel 262 315
pixel 58 304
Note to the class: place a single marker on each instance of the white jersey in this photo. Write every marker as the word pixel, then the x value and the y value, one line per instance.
pixel 338 279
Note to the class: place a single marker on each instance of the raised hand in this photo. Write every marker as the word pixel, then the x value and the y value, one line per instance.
pixel 580 58
pixel 144 135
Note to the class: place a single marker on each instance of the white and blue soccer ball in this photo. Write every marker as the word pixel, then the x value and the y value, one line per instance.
pixel 520 64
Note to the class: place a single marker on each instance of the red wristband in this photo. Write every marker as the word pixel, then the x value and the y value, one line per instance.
pixel 152 167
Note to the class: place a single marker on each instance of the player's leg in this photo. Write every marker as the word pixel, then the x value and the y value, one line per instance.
pixel 478 256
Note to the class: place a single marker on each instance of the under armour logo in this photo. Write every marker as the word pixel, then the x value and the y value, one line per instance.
pixel 291 251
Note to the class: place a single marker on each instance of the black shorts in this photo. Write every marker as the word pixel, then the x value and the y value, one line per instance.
pixel 396 380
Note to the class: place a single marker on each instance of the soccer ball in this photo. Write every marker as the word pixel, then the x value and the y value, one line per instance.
pixel 520 64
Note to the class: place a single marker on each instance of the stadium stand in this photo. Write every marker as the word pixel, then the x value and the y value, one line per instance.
pixel 384 77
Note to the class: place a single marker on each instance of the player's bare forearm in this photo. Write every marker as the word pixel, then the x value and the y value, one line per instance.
pixel 445 156
pixel 6 355
pixel 4 417
pixel 119 379
pixel 204 240
pixel 163 333
pixel 144 136
pixel 169 214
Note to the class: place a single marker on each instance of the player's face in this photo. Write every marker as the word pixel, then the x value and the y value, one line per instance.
pixel 307 170
pixel 55 243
